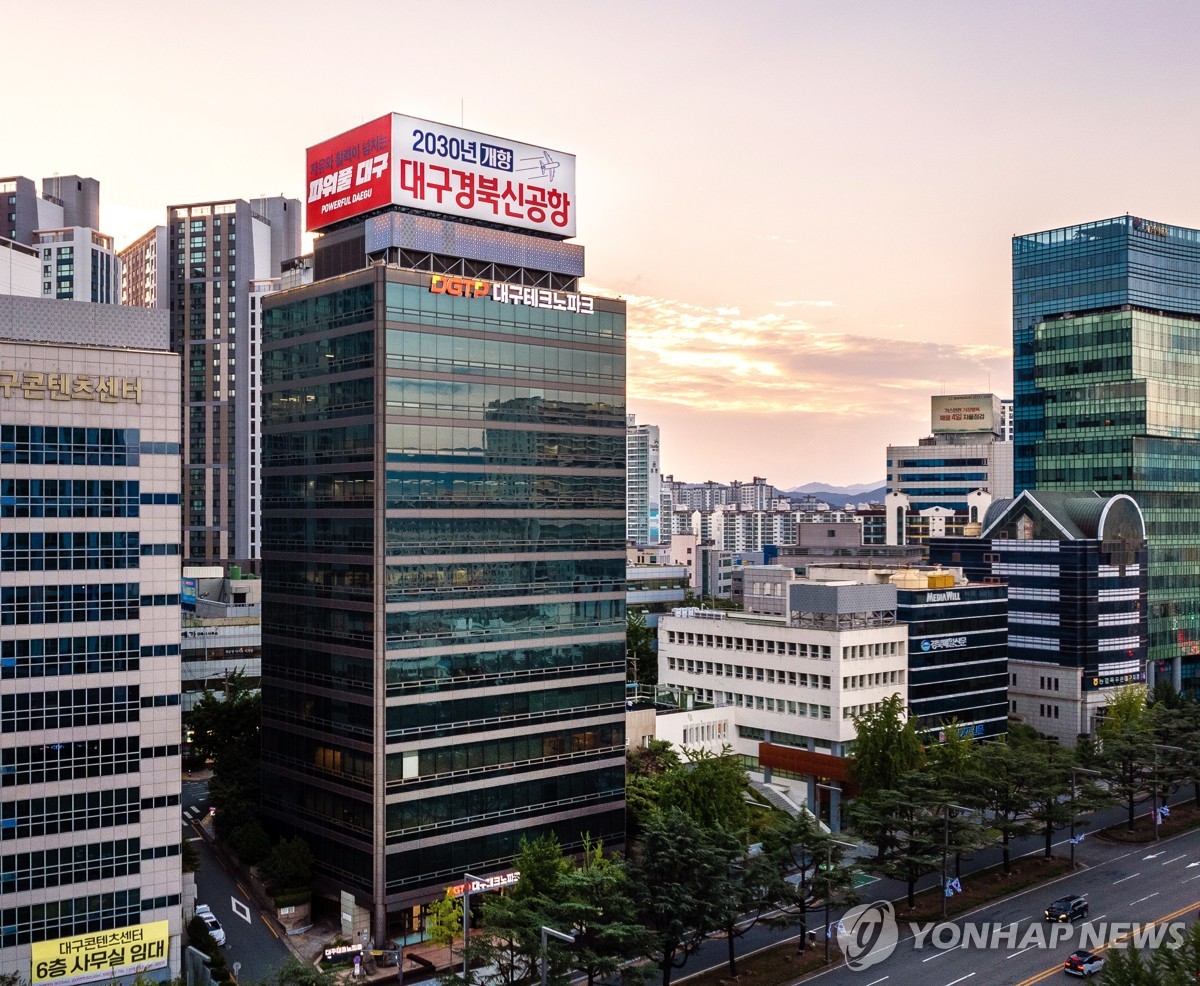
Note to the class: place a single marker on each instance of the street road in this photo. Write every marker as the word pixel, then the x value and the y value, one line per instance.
pixel 1121 884
pixel 248 938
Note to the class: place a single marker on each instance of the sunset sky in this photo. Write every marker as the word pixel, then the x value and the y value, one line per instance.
pixel 807 205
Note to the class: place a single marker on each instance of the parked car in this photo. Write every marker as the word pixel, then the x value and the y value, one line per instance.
pixel 215 931
pixel 1067 909
pixel 1083 963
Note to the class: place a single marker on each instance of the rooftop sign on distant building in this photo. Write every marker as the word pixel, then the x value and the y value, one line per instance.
pixel 964 412
pixel 400 160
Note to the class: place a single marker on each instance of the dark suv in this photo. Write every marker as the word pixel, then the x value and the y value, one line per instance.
pixel 1067 909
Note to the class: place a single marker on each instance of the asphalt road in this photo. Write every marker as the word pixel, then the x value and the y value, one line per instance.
pixel 1124 884
pixel 249 940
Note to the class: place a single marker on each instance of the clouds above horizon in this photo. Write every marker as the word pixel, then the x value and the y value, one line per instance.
pixel 722 359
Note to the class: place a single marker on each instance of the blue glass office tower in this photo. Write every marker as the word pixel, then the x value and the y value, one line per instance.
pixel 1106 384
pixel 443 559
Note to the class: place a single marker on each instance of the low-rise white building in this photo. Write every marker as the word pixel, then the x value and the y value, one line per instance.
pixel 792 682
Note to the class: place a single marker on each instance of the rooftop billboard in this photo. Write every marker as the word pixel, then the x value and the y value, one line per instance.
pixel 431 167
pixel 965 412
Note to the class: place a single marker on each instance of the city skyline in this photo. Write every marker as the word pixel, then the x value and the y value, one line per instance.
pixel 807 209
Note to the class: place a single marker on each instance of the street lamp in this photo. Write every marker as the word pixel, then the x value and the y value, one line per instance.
pixel 946 846
pixel 829 842
pixel 468 880
pixel 1074 772
pixel 569 939
pixel 1154 793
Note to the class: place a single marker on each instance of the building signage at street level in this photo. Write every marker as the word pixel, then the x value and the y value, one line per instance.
pixel 431 167
pixel 337 951
pixel 69 387
pixel 102 956
pixel 943 643
pixel 513 294
pixel 491 883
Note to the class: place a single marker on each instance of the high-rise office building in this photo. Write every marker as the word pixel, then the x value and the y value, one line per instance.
pixel 443 552
pixel 1106 380
pixel 89 643
pixel 220 254
pixel 643 484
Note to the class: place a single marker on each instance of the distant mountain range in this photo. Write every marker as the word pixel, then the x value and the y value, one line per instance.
pixel 836 496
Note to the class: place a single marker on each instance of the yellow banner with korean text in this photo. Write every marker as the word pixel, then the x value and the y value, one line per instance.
pixel 101 955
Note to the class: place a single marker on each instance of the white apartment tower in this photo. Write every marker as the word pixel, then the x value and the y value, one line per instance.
pixel 643 484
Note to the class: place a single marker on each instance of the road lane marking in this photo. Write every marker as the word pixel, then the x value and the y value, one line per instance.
pixel 1022 952
pixel 1155 855
pixel 240 909
pixel 963 979
pixel 1140 899
pixel 1057 967
pixel 1124 878
pixel 276 933
pixel 938 955
pixel 1191 878
pixel 878 981
pixel 1174 859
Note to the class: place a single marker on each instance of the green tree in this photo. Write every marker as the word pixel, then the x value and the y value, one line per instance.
pixel 1125 754
pixel 1176 722
pixel 711 787
pixel 293 972
pixel 511 924
pixel 887 745
pixel 905 823
pixel 804 865
pixel 594 899
pixel 227 732
pixel 289 866
pixel 675 879
pixel 1006 787
pixel 641 662
pixel 443 922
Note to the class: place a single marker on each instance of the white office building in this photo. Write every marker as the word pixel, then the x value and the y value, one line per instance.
pixel 791 682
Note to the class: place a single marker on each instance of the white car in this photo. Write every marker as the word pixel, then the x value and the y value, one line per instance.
pixel 1083 963
pixel 215 931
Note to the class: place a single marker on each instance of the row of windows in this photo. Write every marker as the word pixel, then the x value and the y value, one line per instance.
pixel 39 604
pixel 822 652
pixel 795 679
pixel 51 656
pixel 479 806
pixel 811 710
pixel 707 732
pixel 52 919
pixel 54 551
pixel 69 761
pixel 517 621
pixel 425 350
pixel 453 760
pixel 65 446
pixel 65 709
pixel 69 498
pixel 68 813
pixel 72 864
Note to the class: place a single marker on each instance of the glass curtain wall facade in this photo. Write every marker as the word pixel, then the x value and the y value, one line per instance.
pixel 1106 379
pixel 443 561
